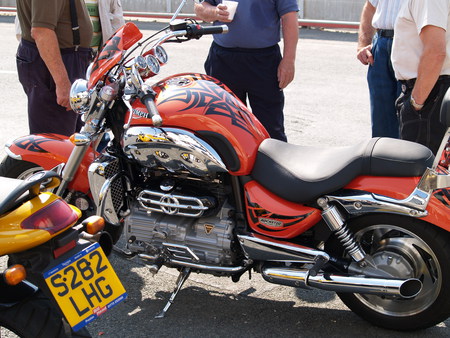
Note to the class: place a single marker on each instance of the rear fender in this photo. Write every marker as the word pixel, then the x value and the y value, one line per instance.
pixel 10 295
pixel 400 188
pixel 48 151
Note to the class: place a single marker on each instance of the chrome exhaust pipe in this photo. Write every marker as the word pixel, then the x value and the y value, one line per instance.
pixel 407 288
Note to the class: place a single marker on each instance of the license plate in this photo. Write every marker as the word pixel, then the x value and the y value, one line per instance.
pixel 85 286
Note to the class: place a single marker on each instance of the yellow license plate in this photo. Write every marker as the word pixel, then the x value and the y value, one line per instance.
pixel 85 286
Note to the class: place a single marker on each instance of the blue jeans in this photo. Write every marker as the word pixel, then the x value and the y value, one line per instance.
pixel 384 89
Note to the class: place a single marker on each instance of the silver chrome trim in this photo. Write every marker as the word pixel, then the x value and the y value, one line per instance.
pixel 11 154
pixel 176 150
pixel 414 205
pixel 171 204
pixel 407 288
pixel 100 186
pixel 365 202
pixel 263 248
pixel 226 269
pixel 181 251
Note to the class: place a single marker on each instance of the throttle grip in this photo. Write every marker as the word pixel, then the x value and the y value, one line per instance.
pixel 148 101
pixel 196 30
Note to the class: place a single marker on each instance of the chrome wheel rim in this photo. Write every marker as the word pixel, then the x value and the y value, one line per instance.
pixel 402 254
pixel 29 172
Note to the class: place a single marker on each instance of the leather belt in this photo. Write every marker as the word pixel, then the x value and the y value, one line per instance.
pixel 410 83
pixel 386 33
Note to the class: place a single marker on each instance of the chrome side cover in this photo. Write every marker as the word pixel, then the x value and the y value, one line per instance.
pixel 106 188
pixel 174 149
pixel 262 248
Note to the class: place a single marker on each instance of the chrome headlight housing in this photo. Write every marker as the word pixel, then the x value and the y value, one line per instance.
pixel 80 96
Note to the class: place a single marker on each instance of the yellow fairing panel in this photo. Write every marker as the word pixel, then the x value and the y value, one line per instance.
pixel 15 239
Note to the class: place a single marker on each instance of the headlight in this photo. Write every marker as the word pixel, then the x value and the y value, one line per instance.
pixel 79 96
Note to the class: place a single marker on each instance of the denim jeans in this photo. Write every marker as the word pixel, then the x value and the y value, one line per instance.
pixel 384 89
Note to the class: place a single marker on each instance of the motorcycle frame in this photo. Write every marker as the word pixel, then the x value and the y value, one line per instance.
pixel 411 196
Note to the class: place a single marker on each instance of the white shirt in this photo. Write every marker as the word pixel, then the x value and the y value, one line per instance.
pixel 385 13
pixel 407 47
pixel 111 17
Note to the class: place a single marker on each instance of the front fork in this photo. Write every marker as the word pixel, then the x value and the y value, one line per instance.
pixel 73 163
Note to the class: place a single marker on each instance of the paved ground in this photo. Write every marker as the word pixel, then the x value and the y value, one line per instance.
pixel 327 105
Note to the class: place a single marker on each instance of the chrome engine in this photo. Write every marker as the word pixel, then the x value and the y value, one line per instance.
pixel 205 240
pixel 170 217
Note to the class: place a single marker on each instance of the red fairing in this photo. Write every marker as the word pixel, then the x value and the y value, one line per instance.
pixel 112 53
pixel 273 216
pixel 49 150
pixel 205 106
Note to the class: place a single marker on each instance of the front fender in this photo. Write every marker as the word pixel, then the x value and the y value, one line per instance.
pixel 48 151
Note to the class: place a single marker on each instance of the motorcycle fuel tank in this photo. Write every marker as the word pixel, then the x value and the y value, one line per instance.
pixel 205 107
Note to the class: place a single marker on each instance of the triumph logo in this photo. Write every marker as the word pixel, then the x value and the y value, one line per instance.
pixel 271 222
pixel 169 204
pixel 209 228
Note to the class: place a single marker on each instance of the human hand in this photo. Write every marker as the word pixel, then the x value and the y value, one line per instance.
pixel 286 72
pixel 222 13
pixel 63 95
pixel 364 55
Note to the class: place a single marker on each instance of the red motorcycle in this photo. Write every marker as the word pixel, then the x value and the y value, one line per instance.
pixel 192 181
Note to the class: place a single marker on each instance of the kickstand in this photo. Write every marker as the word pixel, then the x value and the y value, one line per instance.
pixel 184 275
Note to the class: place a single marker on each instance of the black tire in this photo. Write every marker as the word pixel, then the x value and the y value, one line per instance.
pixel 13 168
pixel 36 317
pixel 408 248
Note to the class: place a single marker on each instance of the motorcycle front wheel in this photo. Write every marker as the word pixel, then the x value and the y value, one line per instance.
pixel 405 248
pixel 13 168
pixel 36 316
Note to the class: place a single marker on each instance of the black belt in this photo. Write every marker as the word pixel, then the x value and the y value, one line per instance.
pixel 245 50
pixel 410 83
pixel 386 33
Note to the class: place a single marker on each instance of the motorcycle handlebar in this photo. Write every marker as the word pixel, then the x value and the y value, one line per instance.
pixel 148 101
pixel 196 30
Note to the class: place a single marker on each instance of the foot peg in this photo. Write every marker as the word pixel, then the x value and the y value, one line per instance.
pixel 184 275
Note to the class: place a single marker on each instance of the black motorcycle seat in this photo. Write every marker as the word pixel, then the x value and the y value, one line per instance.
pixel 301 173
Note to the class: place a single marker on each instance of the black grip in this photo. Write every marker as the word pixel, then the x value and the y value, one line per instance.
pixel 196 30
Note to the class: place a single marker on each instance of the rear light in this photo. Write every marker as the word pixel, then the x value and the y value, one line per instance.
pixel 65 248
pixel 94 224
pixel 14 274
pixel 53 218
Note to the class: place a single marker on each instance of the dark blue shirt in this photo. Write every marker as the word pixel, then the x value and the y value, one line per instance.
pixel 256 23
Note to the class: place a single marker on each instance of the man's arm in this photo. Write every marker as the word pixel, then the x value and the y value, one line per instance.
pixel 365 34
pixel 431 62
pixel 286 69
pixel 47 44
pixel 209 13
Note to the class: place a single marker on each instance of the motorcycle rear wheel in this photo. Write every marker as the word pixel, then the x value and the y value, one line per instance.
pixel 36 317
pixel 406 248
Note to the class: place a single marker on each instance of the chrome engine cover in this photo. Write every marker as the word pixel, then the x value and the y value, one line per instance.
pixel 106 187
pixel 205 240
pixel 176 150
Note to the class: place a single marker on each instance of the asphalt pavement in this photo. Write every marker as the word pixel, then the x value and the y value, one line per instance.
pixel 327 105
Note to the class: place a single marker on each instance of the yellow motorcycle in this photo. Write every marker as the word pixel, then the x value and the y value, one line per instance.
pixel 57 278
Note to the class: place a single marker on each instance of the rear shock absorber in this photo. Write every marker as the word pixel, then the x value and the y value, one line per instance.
pixel 337 225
